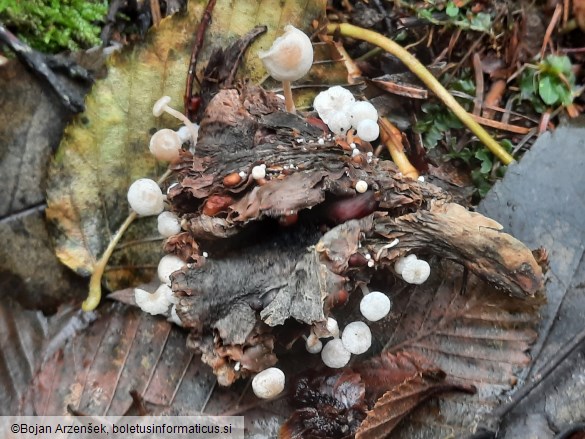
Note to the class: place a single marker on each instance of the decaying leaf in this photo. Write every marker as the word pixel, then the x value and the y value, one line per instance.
pixel 122 351
pixel 106 148
pixel 335 403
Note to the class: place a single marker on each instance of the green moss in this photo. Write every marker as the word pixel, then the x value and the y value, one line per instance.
pixel 55 25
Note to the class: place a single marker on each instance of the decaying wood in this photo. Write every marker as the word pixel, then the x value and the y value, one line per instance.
pixel 260 274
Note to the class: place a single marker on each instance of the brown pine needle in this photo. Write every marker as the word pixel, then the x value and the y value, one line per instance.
pixel 425 76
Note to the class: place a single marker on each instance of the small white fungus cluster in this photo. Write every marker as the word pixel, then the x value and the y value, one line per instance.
pixel 356 339
pixel 163 298
pixel 338 108
pixel 413 270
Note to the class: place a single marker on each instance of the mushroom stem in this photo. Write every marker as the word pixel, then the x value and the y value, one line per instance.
pixel 365 289
pixel 289 102
pixel 185 120
pixel 95 282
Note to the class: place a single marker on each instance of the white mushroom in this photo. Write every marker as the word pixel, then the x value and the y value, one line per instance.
pixel 167 266
pixel 402 261
pixel 368 130
pixel 289 58
pixel 375 306
pixel 357 337
pixel 168 224
pixel 152 303
pixel 165 145
pixel 332 327
pixel 268 383
pixel 362 110
pixel 361 186
pixel 334 354
pixel 145 197
pixel 333 106
pixel 313 344
pixel 416 271
pixel 259 172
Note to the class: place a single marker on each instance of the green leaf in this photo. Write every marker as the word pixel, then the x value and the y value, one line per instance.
pixel 106 148
pixel 481 22
pixel 486 161
pixel 452 10
pixel 547 90
pixel 558 64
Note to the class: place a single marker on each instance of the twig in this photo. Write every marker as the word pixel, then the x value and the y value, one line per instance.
pixel 500 125
pixel 425 76
pixel 390 136
pixel 479 86
pixel 551 26
pixel 197 45
pixel 39 64
pixel 95 282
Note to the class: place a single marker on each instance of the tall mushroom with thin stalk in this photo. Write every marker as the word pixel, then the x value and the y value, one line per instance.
pixel 289 58
pixel 162 105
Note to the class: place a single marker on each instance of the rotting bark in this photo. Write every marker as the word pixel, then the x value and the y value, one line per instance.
pixel 256 281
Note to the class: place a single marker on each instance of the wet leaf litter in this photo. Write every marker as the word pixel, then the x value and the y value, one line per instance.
pixel 309 187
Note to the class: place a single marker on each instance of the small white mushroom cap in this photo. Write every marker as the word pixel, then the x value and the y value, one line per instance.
pixel 313 344
pixel 333 106
pixel 362 110
pixel 375 306
pixel 159 106
pixel 290 57
pixel 168 224
pixel 268 383
pixel 402 261
pixel 333 100
pixel 152 303
pixel 361 186
pixel 334 354
pixel 368 130
pixel 165 145
pixel 338 122
pixel 332 327
pixel 145 197
pixel 416 272
pixel 167 266
pixel 259 172
pixel 357 337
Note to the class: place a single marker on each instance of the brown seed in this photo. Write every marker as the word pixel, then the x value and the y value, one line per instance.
pixel 216 204
pixel 232 179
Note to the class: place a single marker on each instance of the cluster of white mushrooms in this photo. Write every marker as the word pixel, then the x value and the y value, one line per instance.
pixel 146 199
pixel 289 59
